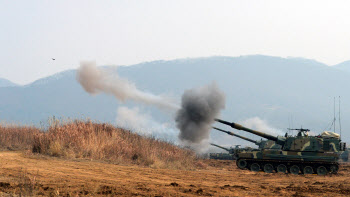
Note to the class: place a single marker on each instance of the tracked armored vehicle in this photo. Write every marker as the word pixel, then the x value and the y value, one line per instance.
pixel 262 144
pixel 232 152
pixel 344 156
pixel 223 156
pixel 300 153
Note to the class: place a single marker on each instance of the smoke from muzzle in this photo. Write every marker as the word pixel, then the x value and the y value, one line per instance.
pixel 95 80
pixel 199 108
pixel 261 125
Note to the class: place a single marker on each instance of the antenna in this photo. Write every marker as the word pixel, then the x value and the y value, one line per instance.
pixel 292 123
pixel 334 115
pixel 339 119
pixel 288 124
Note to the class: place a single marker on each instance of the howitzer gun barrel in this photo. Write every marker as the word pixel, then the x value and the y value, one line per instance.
pixel 230 133
pixel 220 147
pixel 240 127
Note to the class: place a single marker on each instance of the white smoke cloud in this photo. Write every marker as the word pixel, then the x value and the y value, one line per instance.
pixel 258 124
pixel 142 123
pixel 95 80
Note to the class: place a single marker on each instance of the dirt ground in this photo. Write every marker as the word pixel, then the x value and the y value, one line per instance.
pixel 21 174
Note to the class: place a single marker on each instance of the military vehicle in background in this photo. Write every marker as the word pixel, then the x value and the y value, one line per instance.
pixel 344 156
pixel 222 156
pixel 300 153
pixel 232 151
pixel 262 144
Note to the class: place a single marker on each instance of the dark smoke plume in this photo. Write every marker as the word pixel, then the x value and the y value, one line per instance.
pixel 199 108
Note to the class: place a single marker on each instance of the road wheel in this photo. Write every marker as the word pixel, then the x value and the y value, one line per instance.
pixel 294 169
pixel 321 170
pixel 282 168
pixel 308 170
pixel 334 169
pixel 255 167
pixel 268 168
pixel 242 164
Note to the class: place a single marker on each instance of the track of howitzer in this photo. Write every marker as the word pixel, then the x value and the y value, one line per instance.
pixel 46 176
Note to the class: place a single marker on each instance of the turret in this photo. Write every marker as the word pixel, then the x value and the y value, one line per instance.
pixel 279 140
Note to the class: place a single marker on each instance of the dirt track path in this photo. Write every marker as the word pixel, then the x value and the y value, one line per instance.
pixel 50 176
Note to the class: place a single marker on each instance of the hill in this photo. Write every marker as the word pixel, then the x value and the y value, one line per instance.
pixel 344 66
pixel 99 142
pixel 283 92
pixel 6 83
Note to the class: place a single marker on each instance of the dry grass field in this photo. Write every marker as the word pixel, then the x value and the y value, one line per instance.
pixel 29 175
pixel 87 159
pixel 102 142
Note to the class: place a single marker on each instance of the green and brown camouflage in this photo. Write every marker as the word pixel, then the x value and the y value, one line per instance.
pixel 308 154
pixel 269 144
pixel 262 144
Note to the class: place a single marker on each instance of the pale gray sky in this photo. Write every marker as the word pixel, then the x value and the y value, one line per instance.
pixel 128 32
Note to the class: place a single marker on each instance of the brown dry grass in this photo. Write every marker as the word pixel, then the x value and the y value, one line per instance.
pixel 14 137
pixel 94 141
pixel 37 175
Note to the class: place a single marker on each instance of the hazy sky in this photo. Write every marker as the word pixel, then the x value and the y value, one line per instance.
pixel 129 32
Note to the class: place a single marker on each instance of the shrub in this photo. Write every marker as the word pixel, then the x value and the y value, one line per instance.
pixel 95 141
pixel 14 137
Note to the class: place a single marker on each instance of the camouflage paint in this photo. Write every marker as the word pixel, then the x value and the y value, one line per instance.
pixel 301 150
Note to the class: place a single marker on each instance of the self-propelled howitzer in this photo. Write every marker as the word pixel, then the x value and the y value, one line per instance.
pixel 262 144
pixel 308 154
pixel 222 156
pixel 226 149
pixel 232 152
